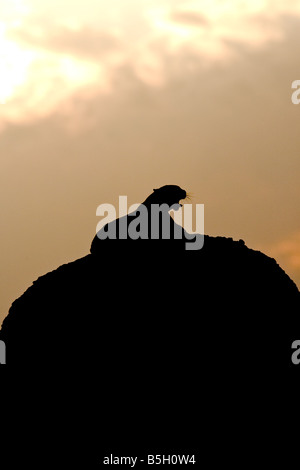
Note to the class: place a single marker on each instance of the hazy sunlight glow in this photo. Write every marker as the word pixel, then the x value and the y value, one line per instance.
pixel 14 63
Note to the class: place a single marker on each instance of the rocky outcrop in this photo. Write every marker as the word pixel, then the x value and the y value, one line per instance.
pixel 152 300
pixel 151 349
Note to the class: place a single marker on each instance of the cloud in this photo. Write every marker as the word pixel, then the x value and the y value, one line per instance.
pixel 189 18
pixel 84 42
pixel 55 51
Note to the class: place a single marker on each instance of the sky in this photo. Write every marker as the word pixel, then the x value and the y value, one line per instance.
pixel 100 99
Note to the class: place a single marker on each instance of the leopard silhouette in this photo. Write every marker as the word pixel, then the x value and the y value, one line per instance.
pixel 163 199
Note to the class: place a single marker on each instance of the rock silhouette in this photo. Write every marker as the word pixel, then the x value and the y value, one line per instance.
pixel 138 293
pixel 169 323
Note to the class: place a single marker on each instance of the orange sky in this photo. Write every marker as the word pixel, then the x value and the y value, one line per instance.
pixel 105 98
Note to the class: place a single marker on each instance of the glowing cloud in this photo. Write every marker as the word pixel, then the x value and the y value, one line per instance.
pixel 289 250
pixel 51 50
